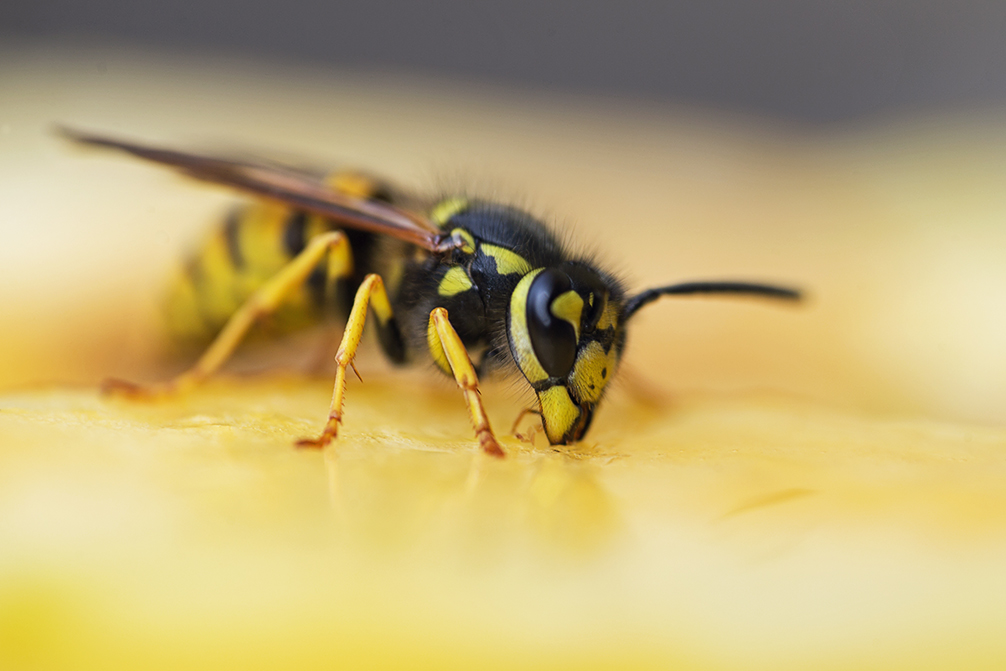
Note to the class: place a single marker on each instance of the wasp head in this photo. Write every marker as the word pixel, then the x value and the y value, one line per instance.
pixel 565 334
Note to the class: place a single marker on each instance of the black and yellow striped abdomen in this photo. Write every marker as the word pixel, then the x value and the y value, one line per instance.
pixel 255 242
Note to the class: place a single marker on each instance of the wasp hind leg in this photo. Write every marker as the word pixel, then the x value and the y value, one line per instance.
pixel 450 354
pixel 333 244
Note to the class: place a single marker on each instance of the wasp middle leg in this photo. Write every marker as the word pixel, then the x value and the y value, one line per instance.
pixel 270 296
pixel 373 295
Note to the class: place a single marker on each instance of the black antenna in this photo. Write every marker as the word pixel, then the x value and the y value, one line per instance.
pixel 692 288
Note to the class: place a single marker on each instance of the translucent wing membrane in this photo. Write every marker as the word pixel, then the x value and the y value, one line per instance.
pixel 295 188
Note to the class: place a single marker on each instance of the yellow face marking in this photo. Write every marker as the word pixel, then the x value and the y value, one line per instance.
pixel 559 412
pixel 352 184
pixel 591 372
pixel 455 281
pixel 445 209
pixel 527 361
pixel 608 318
pixel 507 262
pixel 469 246
pixel 568 306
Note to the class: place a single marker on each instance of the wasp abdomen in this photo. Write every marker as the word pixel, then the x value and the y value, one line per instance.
pixel 254 243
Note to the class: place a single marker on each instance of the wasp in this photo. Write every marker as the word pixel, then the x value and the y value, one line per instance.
pixel 443 278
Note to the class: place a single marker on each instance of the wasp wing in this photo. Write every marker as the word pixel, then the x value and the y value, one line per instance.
pixel 296 188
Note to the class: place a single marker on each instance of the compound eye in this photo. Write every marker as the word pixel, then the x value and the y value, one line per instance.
pixel 553 338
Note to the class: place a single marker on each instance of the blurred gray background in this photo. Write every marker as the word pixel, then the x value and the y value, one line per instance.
pixel 797 60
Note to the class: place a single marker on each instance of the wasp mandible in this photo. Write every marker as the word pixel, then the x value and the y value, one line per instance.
pixel 443 279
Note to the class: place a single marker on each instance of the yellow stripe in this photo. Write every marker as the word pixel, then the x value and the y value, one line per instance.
pixel 507 262
pixel 316 225
pixel 526 358
pixel 568 306
pixel 469 246
pixel 218 282
pixel 352 184
pixel 445 209
pixel 262 228
pixel 455 281
pixel 198 308
pixel 181 310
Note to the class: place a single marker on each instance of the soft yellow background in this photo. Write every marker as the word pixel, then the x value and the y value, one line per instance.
pixel 767 487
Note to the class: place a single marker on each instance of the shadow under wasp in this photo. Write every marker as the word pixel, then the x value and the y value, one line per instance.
pixel 442 279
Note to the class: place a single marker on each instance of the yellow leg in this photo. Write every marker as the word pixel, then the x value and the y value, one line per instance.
pixel 372 293
pixel 261 303
pixel 532 432
pixel 464 374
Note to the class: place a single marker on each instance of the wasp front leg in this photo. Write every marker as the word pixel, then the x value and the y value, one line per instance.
pixel 266 300
pixel 450 354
